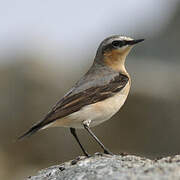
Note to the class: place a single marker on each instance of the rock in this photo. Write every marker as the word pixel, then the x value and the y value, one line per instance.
pixel 117 167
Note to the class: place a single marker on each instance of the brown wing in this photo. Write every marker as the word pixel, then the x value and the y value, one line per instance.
pixel 72 103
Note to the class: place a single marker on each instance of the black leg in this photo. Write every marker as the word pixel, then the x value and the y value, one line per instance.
pixel 73 132
pixel 106 151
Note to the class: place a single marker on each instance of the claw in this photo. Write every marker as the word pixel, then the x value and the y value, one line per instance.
pixel 108 152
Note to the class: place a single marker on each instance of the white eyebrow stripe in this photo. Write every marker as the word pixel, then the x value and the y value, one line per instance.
pixel 116 38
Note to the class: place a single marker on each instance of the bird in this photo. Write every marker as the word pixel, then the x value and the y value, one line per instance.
pixel 97 96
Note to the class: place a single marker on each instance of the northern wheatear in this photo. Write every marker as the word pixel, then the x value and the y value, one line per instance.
pixel 98 95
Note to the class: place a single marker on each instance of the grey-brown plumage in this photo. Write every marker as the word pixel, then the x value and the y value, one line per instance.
pixel 98 95
pixel 73 102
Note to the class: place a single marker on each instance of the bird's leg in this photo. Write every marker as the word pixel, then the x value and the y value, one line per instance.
pixel 73 132
pixel 86 126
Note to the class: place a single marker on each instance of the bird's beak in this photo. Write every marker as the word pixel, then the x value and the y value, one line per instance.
pixel 135 41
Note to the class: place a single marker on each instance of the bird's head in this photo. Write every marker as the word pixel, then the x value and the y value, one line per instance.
pixel 113 51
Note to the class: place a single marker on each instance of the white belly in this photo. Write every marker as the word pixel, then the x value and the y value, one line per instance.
pixel 97 113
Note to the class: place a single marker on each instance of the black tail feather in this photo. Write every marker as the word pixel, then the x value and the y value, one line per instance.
pixel 30 132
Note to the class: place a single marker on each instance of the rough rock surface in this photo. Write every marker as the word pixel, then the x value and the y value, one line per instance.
pixel 117 167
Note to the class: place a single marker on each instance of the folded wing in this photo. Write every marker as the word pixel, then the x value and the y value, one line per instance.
pixel 71 103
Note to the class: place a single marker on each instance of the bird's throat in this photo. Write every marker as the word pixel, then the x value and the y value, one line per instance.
pixel 116 60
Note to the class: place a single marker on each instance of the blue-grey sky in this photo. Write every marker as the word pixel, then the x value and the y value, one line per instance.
pixel 68 27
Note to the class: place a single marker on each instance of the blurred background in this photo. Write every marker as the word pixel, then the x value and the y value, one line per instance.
pixel 46 46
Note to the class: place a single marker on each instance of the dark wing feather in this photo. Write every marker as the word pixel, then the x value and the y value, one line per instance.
pixel 72 103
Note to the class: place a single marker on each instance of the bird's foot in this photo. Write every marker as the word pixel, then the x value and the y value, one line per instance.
pixel 87 154
pixel 106 151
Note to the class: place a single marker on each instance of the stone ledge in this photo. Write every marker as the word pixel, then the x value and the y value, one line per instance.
pixel 117 167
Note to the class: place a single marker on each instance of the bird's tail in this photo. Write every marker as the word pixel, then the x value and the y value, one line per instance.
pixel 40 125
pixel 30 132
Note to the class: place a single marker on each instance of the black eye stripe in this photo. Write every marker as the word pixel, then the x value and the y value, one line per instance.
pixel 116 43
pixel 119 43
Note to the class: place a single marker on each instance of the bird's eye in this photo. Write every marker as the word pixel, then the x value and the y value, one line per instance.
pixel 116 43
